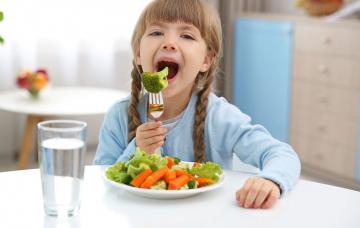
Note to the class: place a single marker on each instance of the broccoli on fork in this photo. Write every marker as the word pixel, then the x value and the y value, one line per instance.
pixel 155 82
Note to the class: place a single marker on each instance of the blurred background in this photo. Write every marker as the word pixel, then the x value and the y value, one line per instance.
pixel 286 63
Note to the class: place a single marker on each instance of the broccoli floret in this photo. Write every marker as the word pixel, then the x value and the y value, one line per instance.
pixel 176 160
pixel 155 82
pixel 192 184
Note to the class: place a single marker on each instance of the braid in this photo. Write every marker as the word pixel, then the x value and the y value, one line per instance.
pixel 134 116
pixel 200 113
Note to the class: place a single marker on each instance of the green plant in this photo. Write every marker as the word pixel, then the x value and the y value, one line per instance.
pixel 1 18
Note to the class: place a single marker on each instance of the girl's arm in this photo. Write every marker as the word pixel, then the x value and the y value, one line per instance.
pixel 253 144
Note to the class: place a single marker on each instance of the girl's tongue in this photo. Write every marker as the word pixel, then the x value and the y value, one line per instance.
pixel 173 68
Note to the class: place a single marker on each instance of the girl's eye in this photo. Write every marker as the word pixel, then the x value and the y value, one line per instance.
pixel 186 36
pixel 156 33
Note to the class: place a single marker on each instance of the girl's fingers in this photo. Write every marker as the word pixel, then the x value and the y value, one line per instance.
pixel 241 194
pixel 253 193
pixel 258 193
pixel 271 199
pixel 263 194
pixel 150 125
pixel 154 132
pixel 147 142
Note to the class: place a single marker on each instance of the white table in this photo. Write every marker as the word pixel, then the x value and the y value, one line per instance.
pixel 310 204
pixel 61 101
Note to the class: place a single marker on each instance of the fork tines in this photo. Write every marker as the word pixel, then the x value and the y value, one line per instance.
pixel 156 104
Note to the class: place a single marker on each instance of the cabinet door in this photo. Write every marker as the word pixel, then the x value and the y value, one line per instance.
pixel 262 72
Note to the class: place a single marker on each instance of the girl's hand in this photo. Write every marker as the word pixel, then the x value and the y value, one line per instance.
pixel 258 193
pixel 150 136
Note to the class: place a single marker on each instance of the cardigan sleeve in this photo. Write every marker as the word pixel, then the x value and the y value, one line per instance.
pixel 113 145
pixel 253 144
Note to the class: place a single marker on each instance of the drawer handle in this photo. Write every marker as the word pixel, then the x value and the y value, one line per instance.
pixel 324 100
pixel 322 129
pixel 326 40
pixel 323 69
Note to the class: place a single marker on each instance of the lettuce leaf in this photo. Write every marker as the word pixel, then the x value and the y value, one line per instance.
pixel 117 173
pixel 210 170
pixel 154 161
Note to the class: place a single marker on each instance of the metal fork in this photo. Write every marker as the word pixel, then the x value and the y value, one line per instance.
pixel 156 108
pixel 156 105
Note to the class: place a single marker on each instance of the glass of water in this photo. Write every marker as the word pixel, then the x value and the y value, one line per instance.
pixel 62 149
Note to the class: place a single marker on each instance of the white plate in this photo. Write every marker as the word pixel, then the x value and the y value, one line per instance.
pixel 164 194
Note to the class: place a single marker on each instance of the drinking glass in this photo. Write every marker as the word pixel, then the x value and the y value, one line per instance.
pixel 62 147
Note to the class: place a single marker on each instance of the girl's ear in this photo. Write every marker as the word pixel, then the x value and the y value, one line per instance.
pixel 207 62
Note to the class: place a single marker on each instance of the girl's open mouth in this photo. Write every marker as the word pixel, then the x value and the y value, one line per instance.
pixel 173 68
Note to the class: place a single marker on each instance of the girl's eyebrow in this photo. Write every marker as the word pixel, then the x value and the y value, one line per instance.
pixel 181 27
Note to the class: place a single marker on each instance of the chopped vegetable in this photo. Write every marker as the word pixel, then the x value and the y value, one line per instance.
pixel 178 182
pixel 176 160
pixel 170 162
pixel 118 176
pixel 209 170
pixel 180 172
pixel 160 185
pixel 203 181
pixel 170 175
pixel 155 177
pixel 192 184
pixel 139 179
pixel 155 82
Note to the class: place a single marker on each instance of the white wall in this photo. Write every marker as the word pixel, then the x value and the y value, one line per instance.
pixel 87 49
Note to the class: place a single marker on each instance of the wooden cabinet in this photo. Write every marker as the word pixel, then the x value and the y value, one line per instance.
pixel 325 96
pixel 324 123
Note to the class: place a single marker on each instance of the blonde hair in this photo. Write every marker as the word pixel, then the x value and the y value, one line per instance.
pixel 206 19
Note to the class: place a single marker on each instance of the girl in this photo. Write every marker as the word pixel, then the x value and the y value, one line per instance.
pixel 185 35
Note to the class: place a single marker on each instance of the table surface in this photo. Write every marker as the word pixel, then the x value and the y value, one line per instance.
pixel 61 101
pixel 310 204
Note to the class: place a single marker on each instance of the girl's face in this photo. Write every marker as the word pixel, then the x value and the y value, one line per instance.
pixel 178 46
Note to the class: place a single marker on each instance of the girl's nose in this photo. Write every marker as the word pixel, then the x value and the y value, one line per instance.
pixel 169 47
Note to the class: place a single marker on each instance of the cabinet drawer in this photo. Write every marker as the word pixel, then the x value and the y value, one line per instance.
pixel 340 101
pixel 331 70
pixel 324 126
pixel 325 155
pixel 327 40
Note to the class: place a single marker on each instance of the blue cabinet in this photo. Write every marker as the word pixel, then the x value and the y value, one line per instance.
pixel 262 73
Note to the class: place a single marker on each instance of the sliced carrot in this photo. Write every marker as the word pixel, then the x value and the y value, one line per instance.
pixel 170 162
pixel 180 172
pixel 140 178
pixel 178 182
pixel 197 164
pixel 155 177
pixel 170 175
pixel 203 181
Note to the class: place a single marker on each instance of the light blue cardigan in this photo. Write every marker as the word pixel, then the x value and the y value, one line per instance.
pixel 227 131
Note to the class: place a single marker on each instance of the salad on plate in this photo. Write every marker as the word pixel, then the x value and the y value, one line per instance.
pixel 152 171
